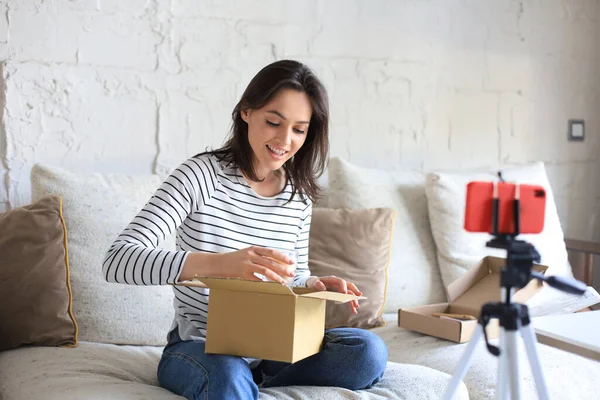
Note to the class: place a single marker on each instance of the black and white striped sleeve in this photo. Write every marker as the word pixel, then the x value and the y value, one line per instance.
pixel 302 270
pixel 134 257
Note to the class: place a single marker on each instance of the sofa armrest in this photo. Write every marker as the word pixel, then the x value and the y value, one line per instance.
pixel 583 246
pixel 581 258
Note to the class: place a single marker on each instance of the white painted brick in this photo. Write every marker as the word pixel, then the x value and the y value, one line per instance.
pixel 575 180
pixel 303 12
pixel 411 84
pixel 382 30
pixel 186 128
pixel 43 6
pixel 265 43
pixel 44 37
pixel 510 73
pixel 385 102
pixel 563 208
pixel 208 44
pixel 133 7
pixel 3 24
pixel 136 7
pixel 3 188
pixel 509 65
pixel 76 117
pixel 462 130
pixel 124 41
pixel 168 53
pixel 529 135
pixel 575 186
pixel 582 219
pixel 246 46
pixel 565 29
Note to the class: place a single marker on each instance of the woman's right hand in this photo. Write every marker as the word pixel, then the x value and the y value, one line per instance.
pixel 244 263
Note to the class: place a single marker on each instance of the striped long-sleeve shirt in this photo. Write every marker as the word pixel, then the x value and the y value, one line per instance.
pixel 212 209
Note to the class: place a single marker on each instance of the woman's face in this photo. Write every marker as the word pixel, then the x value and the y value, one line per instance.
pixel 278 130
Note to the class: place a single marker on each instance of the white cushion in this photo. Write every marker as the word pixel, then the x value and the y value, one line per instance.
pixel 413 277
pixel 103 371
pixel 459 250
pixel 96 208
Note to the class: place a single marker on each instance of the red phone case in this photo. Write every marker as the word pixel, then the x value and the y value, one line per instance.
pixel 478 211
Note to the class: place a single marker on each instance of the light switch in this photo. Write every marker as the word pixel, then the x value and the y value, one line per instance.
pixel 576 129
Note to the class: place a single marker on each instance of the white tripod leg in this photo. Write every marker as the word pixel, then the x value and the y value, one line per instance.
pixel 513 364
pixel 502 374
pixel 534 361
pixel 463 365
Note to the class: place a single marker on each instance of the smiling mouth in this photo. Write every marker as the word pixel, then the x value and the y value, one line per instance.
pixel 277 152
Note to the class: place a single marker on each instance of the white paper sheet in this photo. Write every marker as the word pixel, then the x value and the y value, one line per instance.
pixel 550 301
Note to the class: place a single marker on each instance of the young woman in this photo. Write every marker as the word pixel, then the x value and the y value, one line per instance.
pixel 230 208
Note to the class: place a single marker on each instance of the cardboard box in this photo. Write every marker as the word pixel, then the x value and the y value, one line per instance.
pixel 466 296
pixel 265 320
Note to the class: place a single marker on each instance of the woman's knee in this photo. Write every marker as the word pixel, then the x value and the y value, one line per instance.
pixel 215 376
pixel 368 353
pixel 181 374
pixel 375 355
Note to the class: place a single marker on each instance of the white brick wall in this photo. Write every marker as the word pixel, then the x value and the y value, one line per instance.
pixel 139 85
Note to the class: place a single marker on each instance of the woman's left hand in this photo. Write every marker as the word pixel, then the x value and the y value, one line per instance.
pixel 335 284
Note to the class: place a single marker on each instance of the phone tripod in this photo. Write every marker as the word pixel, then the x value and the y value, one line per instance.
pixel 513 318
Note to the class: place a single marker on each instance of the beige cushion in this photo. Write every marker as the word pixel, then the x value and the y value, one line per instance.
pixel 459 250
pixel 414 277
pixel 97 207
pixel 34 277
pixel 354 245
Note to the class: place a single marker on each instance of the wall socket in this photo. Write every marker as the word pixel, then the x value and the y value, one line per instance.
pixel 576 130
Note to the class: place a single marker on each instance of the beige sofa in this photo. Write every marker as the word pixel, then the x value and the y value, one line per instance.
pixel 424 258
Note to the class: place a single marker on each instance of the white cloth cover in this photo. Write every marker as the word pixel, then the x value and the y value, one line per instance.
pixel 413 276
pixel 102 371
pixel 96 208
pixel 459 250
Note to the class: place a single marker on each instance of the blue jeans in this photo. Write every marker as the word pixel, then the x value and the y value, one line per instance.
pixel 350 358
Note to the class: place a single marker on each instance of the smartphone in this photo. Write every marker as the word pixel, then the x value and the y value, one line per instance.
pixel 479 207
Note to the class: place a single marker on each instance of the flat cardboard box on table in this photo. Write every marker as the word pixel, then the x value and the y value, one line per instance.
pixel 467 295
pixel 265 320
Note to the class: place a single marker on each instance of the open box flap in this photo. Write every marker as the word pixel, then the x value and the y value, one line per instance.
pixel 471 277
pixel 243 285
pixel 481 285
pixel 240 285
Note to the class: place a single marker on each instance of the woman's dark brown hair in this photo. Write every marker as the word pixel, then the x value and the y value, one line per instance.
pixel 309 163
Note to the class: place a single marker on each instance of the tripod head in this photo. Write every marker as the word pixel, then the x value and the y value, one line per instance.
pixel 518 271
pixel 520 255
